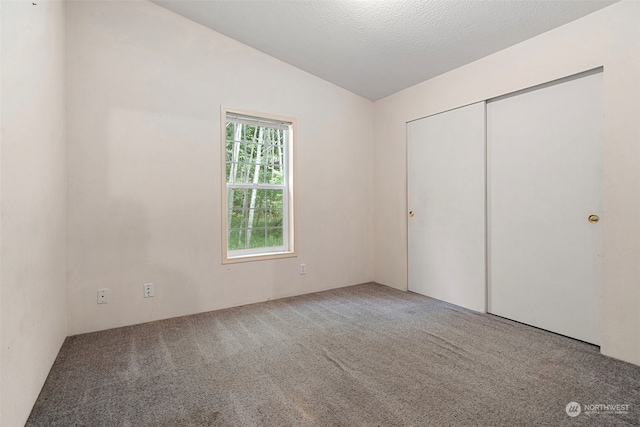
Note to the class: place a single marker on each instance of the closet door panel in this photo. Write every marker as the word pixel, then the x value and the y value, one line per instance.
pixel 545 183
pixel 446 206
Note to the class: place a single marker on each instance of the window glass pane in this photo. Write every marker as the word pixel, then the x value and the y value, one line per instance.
pixel 274 218
pixel 274 237
pixel 236 219
pixel 259 218
pixel 272 175
pixel 257 237
pixel 236 239
pixel 273 199
pixel 237 198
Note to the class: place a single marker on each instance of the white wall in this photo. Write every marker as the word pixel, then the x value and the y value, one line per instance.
pixel 145 88
pixel 32 173
pixel 609 38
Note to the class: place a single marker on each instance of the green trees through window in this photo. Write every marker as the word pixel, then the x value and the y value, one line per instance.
pixel 257 178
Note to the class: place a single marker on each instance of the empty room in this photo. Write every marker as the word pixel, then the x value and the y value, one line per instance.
pixel 319 213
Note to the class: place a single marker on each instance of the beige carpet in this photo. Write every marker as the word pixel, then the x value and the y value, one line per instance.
pixel 365 355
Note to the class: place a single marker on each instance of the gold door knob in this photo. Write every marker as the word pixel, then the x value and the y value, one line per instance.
pixel 593 219
pixel 411 213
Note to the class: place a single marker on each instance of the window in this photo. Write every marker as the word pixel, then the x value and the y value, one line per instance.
pixel 258 202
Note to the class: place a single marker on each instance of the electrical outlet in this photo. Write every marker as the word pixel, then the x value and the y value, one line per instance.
pixel 148 290
pixel 103 296
pixel 303 269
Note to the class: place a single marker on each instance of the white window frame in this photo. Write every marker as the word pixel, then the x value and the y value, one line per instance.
pixel 288 199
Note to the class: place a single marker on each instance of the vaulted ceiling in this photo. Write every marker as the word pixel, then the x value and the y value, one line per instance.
pixel 378 47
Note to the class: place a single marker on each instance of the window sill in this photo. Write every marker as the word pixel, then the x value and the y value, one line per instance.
pixel 258 257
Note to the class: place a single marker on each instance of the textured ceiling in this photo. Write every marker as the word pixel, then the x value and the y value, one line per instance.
pixel 377 47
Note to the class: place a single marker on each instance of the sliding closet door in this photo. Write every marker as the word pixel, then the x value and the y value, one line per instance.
pixel 545 204
pixel 446 203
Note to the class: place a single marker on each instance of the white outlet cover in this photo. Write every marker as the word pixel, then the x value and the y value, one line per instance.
pixel 103 296
pixel 147 290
